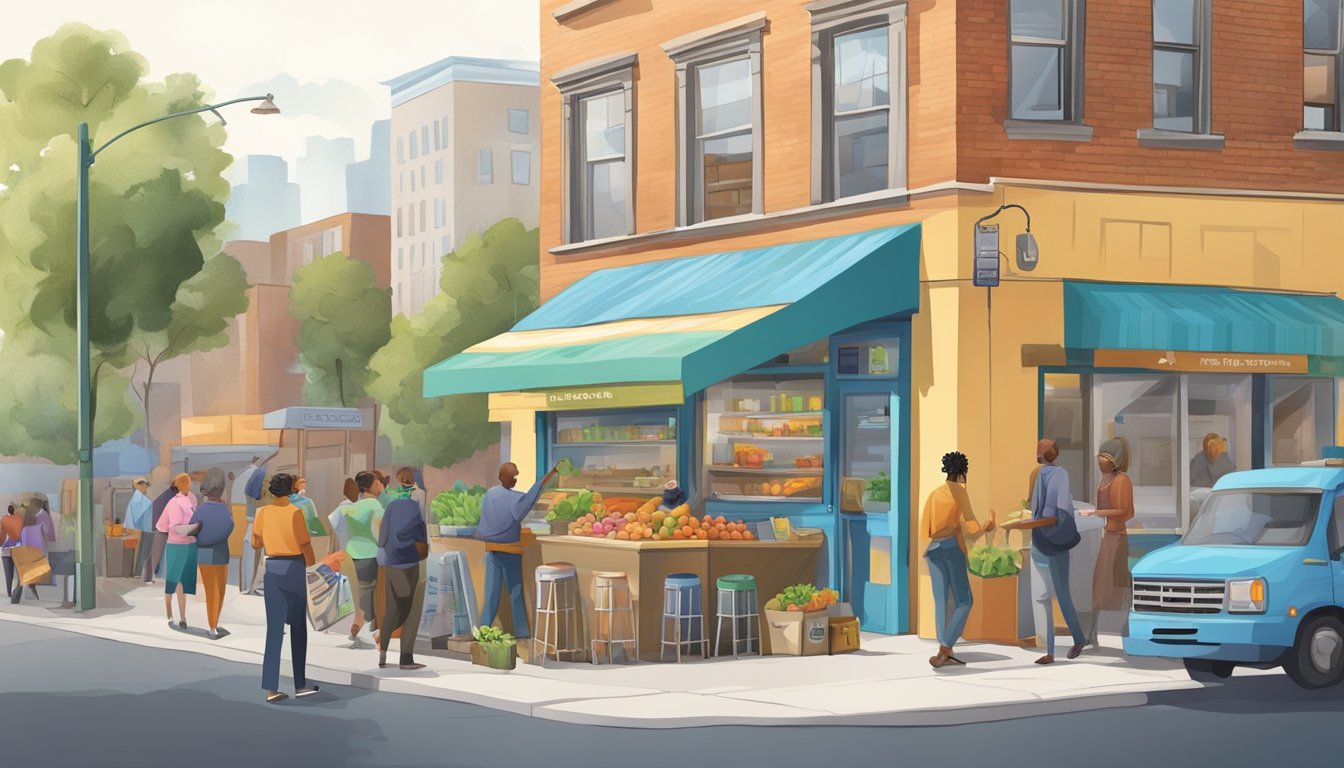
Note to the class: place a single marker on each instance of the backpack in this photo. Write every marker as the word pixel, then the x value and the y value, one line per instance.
pixel 254 484
pixel 1063 535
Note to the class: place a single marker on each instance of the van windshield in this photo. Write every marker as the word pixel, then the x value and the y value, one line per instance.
pixel 1256 518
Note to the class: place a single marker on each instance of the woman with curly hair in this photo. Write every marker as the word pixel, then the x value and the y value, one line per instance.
pixel 946 522
pixel 280 529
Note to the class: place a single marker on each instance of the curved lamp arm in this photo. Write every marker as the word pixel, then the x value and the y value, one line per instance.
pixel 210 108
pixel 1003 208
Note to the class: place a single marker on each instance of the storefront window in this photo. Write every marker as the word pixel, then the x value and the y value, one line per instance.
pixel 1218 433
pixel 1065 422
pixel 879 357
pixel 1303 420
pixel 763 439
pixel 1143 410
pixel 618 452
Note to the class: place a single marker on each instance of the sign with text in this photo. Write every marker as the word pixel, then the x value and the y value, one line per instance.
pixel 315 418
pixel 613 396
pixel 1199 362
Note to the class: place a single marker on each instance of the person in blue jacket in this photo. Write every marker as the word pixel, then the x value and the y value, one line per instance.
pixel 502 512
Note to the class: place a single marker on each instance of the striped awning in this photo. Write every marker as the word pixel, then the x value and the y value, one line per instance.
pixel 695 320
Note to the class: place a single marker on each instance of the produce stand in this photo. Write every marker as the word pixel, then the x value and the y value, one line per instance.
pixel 648 563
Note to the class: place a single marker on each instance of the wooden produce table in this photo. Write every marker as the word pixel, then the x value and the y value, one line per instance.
pixel 475 551
pixel 648 563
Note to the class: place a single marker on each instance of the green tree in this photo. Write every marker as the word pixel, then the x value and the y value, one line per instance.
pixel 156 200
pixel 344 319
pixel 201 311
pixel 488 285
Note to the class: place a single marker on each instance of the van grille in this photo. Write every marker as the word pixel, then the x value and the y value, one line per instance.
pixel 1179 596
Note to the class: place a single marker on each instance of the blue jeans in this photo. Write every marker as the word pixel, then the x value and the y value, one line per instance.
pixel 947 569
pixel 505 569
pixel 286 599
pixel 1050 573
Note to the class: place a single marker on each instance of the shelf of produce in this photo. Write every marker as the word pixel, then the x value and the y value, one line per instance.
pixel 772 499
pixel 772 414
pixel 775 565
pixel 611 443
pixel 726 469
pixel 775 438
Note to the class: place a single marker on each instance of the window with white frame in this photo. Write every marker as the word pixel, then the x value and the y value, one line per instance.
pixel 414 146
pixel 598 168
pixel 1046 61
pixel 401 258
pixel 522 167
pixel 399 222
pixel 444 124
pixel 424 217
pixel 485 166
pixel 447 244
pixel 1181 65
pixel 1321 65
pixel 401 149
pixel 424 138
pixel 720 130
pixel 518 121
pixel 438 137
pixel 438 171
pixel 858 97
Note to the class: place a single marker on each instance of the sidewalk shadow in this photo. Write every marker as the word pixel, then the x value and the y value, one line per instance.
pixel 1251 695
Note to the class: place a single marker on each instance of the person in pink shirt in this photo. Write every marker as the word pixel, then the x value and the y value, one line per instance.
pixel 179 569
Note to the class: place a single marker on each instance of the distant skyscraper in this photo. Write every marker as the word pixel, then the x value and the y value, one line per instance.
pixel 321 176
pixel 267 203
pixel 368 183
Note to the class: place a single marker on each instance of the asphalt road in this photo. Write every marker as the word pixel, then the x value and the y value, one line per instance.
pixel 71 700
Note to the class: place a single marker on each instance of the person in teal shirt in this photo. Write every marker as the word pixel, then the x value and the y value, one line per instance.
pixel 362 520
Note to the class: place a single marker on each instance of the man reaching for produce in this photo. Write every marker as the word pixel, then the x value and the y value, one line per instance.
pixel 502 513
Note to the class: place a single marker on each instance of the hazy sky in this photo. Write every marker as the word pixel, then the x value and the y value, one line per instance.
pixel 328 57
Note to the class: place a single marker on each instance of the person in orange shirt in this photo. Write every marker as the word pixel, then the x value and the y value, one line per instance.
pixel 281 530
pixel 1115 504
pixel 946 522
pixel 11 528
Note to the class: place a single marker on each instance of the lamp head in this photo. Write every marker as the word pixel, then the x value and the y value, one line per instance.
pixel 1027 253
pixel 266 107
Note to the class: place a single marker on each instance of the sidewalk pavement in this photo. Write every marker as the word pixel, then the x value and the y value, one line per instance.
pixel 886 683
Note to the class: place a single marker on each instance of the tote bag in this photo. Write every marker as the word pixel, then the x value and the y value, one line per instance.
pixel 32 564
pixel 330 598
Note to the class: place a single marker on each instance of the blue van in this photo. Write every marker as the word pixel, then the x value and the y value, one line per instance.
pixel 1257 580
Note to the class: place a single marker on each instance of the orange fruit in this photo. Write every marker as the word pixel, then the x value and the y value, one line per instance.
pixel 749 536
pixel 679 534
pixel 702 534
pixel 736 536
pixel 648 534
pixel 657 537
pixel 720 520
pixel 713 534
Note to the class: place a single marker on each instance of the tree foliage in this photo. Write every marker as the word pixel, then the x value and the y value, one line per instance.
pixel 344 316
pixel 156 201
pixel 488 285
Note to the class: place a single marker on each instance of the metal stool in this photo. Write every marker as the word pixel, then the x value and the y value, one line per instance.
pixel 737 603
pixel 557 607
pixel 683 615
pixel 614 621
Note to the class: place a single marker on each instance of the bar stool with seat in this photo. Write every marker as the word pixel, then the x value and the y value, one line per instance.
pixel 614 620
pixel 737 602
pixel 557 621
pixel 683 618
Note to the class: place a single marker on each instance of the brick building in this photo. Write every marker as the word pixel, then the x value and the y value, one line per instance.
pixel 1179 163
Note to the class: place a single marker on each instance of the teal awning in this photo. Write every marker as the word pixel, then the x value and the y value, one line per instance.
pixel 695 320
pixel 1192 318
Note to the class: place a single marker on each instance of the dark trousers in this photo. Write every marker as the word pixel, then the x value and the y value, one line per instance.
pixel 505 570
pixel 13 589
pixel 405 602
pixel 366 573
pixel 286 604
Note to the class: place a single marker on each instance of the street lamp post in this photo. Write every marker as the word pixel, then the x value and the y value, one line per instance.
pixel 84 568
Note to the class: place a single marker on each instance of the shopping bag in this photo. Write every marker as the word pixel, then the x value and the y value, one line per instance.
pixel 32 564
pixel 440 604
pixel 326 603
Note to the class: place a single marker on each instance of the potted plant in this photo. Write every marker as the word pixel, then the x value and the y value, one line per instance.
pixel 494 648
pixel 994 592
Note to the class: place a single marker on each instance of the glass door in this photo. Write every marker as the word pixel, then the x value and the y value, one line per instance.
pixel 868 455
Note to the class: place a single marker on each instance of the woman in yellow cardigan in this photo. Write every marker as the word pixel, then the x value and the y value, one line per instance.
pixel 946 522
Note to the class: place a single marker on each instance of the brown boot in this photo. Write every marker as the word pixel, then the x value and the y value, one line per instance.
pixel 1048 658
pixel 944 655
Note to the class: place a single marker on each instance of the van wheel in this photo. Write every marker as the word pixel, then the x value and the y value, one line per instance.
pixel 1316 660
pixel 1206 671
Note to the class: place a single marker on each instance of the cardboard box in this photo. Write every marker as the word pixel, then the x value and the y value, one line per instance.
pixel 797 633
pixel 994 613
pixel 844 632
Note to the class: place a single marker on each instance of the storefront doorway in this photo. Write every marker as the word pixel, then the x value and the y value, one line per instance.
pixel 869 456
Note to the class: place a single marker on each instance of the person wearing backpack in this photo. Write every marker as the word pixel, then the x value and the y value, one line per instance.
pixel 1054 533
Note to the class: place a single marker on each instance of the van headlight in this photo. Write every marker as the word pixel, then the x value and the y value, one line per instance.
pixel 1246 596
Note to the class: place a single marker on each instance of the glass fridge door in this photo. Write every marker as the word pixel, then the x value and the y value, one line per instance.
pixel 867 474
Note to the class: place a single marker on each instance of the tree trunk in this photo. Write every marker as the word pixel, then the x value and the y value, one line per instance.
pixel 144 402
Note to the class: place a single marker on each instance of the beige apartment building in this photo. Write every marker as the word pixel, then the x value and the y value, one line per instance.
pixel 465 149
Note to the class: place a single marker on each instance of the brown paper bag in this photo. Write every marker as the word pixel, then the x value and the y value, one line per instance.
pixel 851 494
